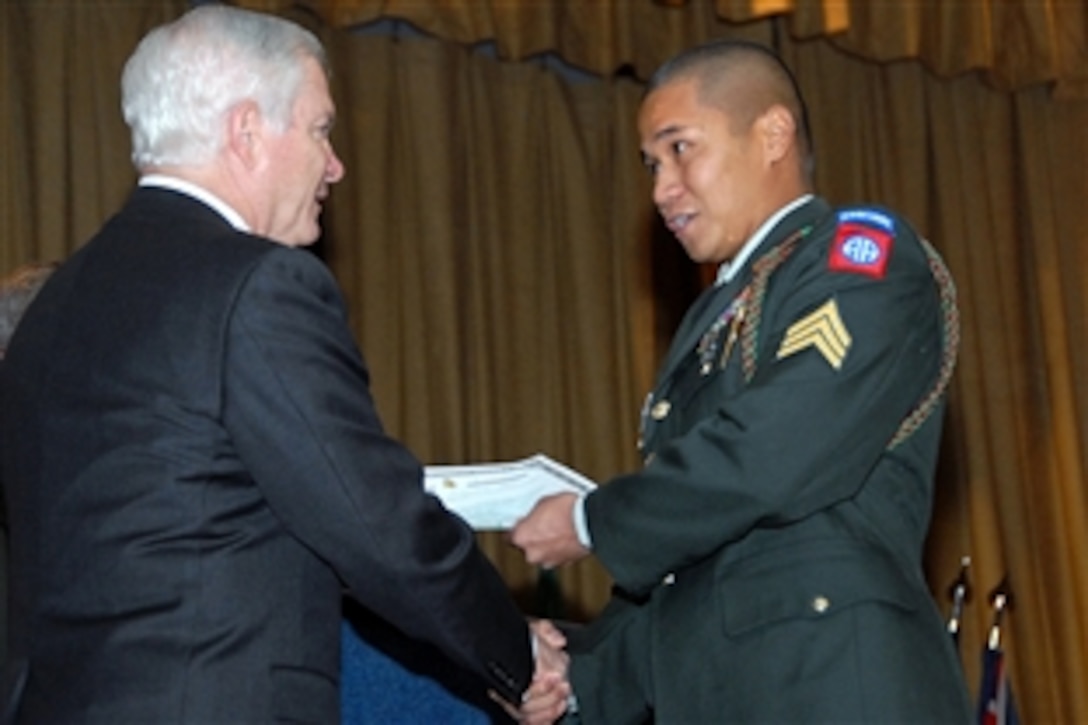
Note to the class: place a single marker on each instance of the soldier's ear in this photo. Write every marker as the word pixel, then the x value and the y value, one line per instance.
pixel 778 132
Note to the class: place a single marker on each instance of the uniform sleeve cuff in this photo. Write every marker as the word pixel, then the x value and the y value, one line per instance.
pixel 581 528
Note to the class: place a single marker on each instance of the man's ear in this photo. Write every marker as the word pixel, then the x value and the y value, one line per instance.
pixel 778 132
pixel 244 128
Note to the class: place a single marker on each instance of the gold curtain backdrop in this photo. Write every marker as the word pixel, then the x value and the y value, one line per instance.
pixel 512 290
pixel 1015 42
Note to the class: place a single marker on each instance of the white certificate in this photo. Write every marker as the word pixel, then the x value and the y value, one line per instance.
pixel 493 496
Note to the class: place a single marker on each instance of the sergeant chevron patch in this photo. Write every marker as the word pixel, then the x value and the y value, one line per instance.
pixel 822 329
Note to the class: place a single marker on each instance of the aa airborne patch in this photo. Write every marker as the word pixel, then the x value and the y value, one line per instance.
pixel 863 242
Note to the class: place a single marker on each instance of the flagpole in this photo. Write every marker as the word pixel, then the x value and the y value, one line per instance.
pixel 1000 599
pixel 960 594
pixel 995 701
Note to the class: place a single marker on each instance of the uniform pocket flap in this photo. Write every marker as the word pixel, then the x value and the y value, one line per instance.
pixel 767 589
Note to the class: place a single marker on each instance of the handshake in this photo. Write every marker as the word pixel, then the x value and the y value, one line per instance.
pixel 547 537
pixel 549 695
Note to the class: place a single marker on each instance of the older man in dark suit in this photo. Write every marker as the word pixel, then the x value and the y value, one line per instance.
pixel 192 460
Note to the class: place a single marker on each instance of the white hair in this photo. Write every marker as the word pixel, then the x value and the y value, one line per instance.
pixel 184 78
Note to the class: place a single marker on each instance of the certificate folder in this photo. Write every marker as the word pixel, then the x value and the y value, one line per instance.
pixel 493 496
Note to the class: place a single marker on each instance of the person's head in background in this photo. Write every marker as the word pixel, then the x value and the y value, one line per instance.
pixel 724 133
pixel 238 103
pixel 17 291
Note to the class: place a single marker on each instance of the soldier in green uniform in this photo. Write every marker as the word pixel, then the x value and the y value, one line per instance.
pixel 767 557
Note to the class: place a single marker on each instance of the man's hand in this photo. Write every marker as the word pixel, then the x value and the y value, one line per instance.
pixel 546 699
pixel 546 535
pixel 548 633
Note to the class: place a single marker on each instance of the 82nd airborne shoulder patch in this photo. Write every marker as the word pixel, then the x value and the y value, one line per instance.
pixel 862 243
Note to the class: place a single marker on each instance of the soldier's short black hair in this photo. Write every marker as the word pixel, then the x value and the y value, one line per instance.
pixel 714 63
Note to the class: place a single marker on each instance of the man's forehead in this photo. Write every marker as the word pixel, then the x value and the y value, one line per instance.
pixel 314 94
pixel 670 109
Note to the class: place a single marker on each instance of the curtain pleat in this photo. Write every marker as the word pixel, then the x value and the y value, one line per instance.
pixel 62 67
pixel 1013 43
pixel 512 289
pixel 488 288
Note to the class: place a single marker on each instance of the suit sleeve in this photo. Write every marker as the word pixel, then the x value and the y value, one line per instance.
pixel 801 436
pixel 298 406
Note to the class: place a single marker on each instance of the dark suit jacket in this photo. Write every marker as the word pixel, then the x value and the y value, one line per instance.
pixel 769 553
pixel 195 473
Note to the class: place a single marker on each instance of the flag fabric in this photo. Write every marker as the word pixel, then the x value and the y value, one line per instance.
pixel 995 702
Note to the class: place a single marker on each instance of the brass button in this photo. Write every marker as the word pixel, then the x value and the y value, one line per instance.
pixel 669 579
pixel 660 409
pixel 820 604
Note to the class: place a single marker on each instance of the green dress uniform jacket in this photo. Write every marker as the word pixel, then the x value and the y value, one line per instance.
pixel 767 558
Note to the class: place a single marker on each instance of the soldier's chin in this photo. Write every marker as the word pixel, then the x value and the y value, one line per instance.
pixel 696 253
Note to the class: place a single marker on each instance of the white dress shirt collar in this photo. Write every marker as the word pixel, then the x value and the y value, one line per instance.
pixel 729 269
